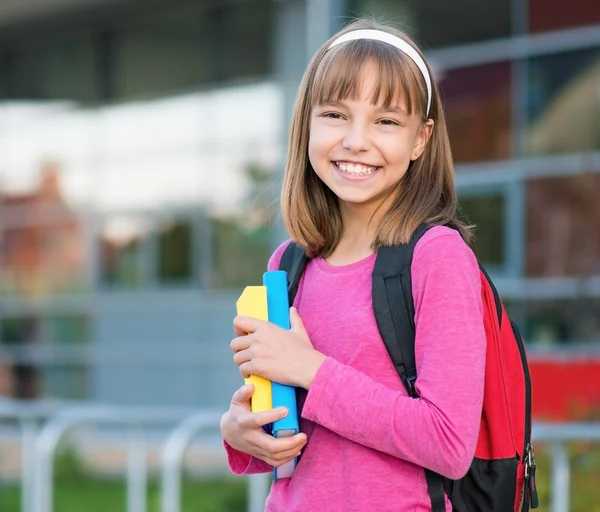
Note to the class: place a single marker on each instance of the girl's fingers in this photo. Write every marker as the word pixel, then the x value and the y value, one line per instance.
pixel 256 420
pixel 243 395
pixel 242 342
pixel 275 462
pixel 243 356
pixel 273 446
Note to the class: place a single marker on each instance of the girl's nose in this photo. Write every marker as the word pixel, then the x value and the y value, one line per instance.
pixel 356 139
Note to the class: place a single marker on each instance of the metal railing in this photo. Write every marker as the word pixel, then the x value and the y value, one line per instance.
pixel 42 425
pixel 558 435
pixel 28 416
pixel 132 417
pixel 172 461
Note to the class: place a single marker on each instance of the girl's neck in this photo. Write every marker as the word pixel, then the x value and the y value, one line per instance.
pixel 356 241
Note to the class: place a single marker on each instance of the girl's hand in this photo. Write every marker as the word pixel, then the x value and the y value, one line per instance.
pixel 242 429
pixel 283 356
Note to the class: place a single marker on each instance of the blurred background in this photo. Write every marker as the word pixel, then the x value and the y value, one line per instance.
pixel 141 151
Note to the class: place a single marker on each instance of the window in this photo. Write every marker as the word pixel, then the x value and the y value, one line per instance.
pixel 52 68
pixel 122 239
pixel 242 242
pixel 439 22
pixel 18 335
pixel 477 104
pixel 175 248
pixel 563 219
pixel 163 51
pixel 558 14
pixel 486 212
pixel 245 39
pixel 564 104
pixel 557 322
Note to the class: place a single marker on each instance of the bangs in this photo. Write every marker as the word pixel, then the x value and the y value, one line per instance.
pixel 338 76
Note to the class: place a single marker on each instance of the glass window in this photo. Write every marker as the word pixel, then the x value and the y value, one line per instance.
pixel 244 35
pixel 122 242
pixel 67 329
pixel 486 212
pixel 66 381
pixel 557 14
pixel 478 111
pixel 175 250
pixel 440 23
pixel 53 68
pixel 242 242
pixel 564 104
pixel 549 323
pixel 563 219
pixel 18 335
pixel 164 51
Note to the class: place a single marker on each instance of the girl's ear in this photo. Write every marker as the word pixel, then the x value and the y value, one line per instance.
pixel 422 139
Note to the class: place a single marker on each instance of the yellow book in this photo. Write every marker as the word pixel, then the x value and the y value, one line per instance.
pixel 253 302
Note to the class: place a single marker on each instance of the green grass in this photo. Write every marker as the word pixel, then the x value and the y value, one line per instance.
pixel 84 494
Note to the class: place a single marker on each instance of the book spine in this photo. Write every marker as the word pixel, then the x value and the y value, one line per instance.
pixel 253 302
pixel 282 395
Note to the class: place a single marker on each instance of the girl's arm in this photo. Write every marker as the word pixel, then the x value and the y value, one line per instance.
pixel 438 430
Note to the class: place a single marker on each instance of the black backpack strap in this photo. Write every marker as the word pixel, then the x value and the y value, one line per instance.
pixel 293 260
pixel 394 310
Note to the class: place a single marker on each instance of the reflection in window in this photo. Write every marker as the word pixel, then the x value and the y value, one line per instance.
pixel 122 239
pixel 67 382
pixel 564 104
pixel 477 106
pixel 175 244
pixel 486 212
pixel 435 23
pixel 245 46
pixel 20 333
pixel 241 243
pixel 164 51
pixel 563 215
pixel 42 248
pixel 549 323
pixel 53 68
pixel 67 329
pixel 558 14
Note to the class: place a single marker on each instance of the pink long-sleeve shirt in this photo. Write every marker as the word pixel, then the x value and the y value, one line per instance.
pixel 368 441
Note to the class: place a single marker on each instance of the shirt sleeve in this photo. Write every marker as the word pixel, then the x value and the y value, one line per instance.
pixel 439 430
pixel 241 463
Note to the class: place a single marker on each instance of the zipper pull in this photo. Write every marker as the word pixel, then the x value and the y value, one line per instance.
pixel 530 468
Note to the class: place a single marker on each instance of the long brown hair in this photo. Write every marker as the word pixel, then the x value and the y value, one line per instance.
pixel 426 193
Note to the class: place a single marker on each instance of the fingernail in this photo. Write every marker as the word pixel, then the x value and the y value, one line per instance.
pixel 282 411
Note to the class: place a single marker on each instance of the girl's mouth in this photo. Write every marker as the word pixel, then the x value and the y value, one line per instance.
pixel 355 170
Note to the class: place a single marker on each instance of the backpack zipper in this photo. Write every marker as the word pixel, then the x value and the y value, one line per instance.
pixel 527 377
pixel 528 458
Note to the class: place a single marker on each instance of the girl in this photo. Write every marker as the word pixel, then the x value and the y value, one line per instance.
pixel 369 161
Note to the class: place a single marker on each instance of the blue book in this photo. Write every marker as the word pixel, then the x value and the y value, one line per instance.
pixel 282 396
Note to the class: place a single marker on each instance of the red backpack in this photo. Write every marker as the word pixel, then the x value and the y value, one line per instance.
pixel 502 474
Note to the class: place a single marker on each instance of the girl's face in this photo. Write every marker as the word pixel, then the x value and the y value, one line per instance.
pixel 361 150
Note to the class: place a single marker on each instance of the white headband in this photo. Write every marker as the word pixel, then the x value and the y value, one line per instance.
pixel 401 44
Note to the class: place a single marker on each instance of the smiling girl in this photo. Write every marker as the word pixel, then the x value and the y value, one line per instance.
pixel 368 163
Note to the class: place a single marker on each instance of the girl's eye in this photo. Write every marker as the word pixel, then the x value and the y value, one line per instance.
pixel 332 115
pixel 389 122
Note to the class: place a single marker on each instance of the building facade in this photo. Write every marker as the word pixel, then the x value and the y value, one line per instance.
pixel 141 148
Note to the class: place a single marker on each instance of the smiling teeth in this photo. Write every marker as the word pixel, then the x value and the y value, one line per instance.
pixel 356 169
